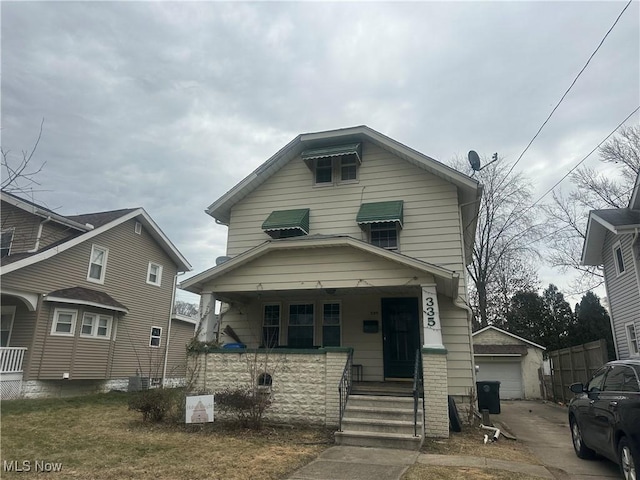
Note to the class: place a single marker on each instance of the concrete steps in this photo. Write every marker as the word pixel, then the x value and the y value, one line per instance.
pixel 380 421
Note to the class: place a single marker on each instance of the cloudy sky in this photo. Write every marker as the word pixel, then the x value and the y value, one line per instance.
pixel 168 105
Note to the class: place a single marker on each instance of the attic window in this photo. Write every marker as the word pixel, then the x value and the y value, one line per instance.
pixel 287 223
pixel 339 161
pixel 138 228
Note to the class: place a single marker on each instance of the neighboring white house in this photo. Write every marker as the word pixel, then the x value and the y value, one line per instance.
pixel 613 242
pixel 345 247
pixel 512 360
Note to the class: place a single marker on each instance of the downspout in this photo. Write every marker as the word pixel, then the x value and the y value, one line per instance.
pixel 166 347
pixel 37 245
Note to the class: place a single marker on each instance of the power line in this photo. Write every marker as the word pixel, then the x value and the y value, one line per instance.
pixel 583 160
pixel 570 87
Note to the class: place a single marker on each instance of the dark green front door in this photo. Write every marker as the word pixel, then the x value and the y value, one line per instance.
pixel 401 336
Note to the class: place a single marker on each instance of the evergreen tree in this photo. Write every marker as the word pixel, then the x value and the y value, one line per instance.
pixel 592 323
pixel 526 314
pixel 558 319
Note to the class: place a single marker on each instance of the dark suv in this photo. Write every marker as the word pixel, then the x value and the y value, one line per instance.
pixel 605 416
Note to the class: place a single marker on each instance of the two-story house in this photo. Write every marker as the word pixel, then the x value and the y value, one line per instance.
pixel 345 265
pixel 87 301
pixel 613 241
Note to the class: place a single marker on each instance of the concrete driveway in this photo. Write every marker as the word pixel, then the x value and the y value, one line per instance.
pixel 544 429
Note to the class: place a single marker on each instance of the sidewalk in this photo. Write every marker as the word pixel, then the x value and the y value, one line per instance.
pixel 365 463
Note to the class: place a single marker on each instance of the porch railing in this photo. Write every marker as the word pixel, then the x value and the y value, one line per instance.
pixel 11 359
pixel 344 387
pixel 417 390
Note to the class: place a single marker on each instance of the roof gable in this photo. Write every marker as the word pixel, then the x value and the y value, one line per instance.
pixel 469 190
pixel 615 220
pixel 504 332
pixel 102 221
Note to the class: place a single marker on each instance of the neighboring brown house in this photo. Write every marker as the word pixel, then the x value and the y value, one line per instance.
pixel 87 301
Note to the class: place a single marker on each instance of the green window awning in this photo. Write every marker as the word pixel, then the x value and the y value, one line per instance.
pixel 333 151
pixel 296 220
pixel 379 212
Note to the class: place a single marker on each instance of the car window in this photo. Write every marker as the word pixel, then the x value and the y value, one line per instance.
pixel 595 384
pixel 630 382
pixel 621 379
pixel 614 380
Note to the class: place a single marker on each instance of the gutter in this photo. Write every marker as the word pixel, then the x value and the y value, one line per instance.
pixel 166 347
pixel 37 244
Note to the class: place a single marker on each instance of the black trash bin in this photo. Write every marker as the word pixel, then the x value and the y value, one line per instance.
pixel 489 396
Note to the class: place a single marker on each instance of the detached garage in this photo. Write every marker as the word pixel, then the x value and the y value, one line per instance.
pixel 512 360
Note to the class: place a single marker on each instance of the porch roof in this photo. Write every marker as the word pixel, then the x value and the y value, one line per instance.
pixel 447 281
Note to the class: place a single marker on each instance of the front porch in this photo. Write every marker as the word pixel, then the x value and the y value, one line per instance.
pixel 11 359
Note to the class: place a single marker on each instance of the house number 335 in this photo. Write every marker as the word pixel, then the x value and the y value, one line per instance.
pixel 430 311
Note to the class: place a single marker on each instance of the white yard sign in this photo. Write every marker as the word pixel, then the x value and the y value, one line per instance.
pixel 199 409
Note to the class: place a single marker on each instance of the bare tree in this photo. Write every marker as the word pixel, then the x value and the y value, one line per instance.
pixel 19 171
pixel 503 246
pixel 568 214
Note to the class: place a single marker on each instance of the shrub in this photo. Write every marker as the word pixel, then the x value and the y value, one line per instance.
pixel 246 404
pixel 154 404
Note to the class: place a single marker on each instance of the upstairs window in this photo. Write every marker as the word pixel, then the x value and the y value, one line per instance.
pixel 97 264
pixel 155 337
pixel 382 221
pixel 384 235
pixel 154 274
pixel 6 239
pixel 618 259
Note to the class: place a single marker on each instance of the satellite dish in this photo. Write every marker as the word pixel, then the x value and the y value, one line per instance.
pixel 474 160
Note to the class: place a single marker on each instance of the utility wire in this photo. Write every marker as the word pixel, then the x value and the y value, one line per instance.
pixel 570 87
pixel 583 160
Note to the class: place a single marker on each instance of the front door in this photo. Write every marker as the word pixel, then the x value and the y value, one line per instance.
pixel 401 336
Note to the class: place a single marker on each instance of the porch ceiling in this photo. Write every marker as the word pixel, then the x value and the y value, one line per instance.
pixel 322 263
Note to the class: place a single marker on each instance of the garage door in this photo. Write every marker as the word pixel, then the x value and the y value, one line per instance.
pixel 508 374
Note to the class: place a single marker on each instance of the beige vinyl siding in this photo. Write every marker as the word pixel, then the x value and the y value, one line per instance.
pixel 181 334
pixel 53 232
pixel 125 281
pixel 431 216
pixel 622 290
pixel 492 337
pixel 330 267
pixel 25 224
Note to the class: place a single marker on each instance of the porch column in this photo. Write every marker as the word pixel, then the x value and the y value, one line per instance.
pixel 434 367
pixel 431 326
pixel 207 326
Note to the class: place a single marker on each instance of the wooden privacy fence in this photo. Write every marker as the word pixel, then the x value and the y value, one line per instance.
pixel 575 364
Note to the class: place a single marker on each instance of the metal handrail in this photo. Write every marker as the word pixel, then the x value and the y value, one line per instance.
pixel 417 388
pixel 344 387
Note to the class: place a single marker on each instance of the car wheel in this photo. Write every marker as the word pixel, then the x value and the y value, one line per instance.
pixel 582 451
pixel 627 460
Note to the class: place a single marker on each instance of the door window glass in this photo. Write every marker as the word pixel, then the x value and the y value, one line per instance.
pixel 595 385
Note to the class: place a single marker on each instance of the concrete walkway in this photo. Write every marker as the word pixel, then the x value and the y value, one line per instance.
pixel 365 463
